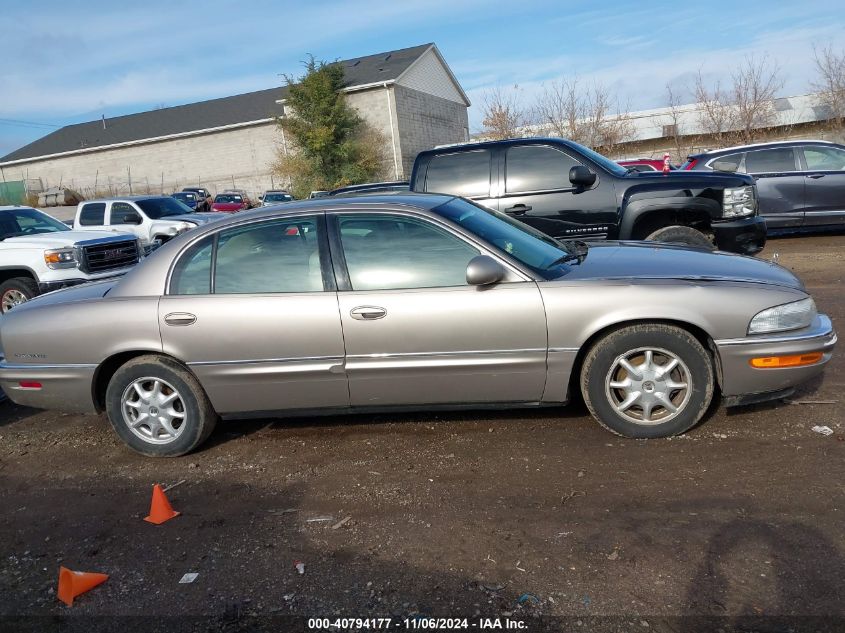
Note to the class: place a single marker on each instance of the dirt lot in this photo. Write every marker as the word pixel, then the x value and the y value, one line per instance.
pixel 451 514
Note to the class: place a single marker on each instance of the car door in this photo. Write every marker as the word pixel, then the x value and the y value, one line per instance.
pixel 125 218
pixel 251 312
pixel 780 185
pixel 415 332
pixel 471 174
pixel 825 185
pixel 536 189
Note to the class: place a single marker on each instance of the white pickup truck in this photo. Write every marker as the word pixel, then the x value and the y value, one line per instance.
pixel 152 219
pixel 39 254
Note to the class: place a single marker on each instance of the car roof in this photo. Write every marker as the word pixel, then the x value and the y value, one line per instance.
pixel 15 207
pixel 126 198
pixel 533 140
pixel 754 146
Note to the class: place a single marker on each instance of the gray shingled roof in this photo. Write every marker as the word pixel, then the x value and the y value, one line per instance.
pixel 251 106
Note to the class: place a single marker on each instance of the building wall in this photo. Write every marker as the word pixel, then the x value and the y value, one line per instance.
pixel 216 160
pixel 377 108
pixel 428 75
pixel 425 121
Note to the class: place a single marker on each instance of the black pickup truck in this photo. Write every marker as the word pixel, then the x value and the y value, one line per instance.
pixel 569 191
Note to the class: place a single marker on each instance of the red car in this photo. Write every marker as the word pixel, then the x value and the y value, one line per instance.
pixel 229 203
pixel 645 164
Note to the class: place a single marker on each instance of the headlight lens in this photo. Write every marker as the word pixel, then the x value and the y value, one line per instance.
pixel 60 258
pixel 789 316
pixel 739 201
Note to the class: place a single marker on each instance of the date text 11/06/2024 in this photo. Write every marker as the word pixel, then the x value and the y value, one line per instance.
pixel 422 623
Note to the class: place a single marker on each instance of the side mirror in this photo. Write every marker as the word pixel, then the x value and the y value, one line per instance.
pixel 580 176
pixel 724 165
pixel 483 270
pixel 131 218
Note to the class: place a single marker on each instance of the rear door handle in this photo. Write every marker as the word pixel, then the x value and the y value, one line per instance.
pixel 518 209
pixel 815 176
pixel 368 313
pixel 180 318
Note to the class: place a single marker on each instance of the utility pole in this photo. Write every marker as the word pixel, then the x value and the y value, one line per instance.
pixel 129 175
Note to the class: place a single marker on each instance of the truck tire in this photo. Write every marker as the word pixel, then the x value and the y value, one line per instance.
pixel 681 235
pixel 158 407
pixel 648 380
pixel 16 291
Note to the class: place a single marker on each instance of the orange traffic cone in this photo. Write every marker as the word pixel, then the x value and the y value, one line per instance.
pixel 74 583
pixel 160 508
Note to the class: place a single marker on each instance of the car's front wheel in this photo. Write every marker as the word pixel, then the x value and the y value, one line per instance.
pixel 16 291
pixel 158 407
pixel 648 380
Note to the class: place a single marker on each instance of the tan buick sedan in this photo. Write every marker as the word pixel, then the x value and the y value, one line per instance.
pixel 416 302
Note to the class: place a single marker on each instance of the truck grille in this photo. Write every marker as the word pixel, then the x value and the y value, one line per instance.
pixel 99 258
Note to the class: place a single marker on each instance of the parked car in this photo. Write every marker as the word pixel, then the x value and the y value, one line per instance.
pixel 228 203
pixel 202 192
pixel 567 190
pixel 371 187
pixel 800 184
pixel 39 254
pixel 645 164
pixel 275 196
pixel 243 194
pixel 152 219
pixel 318 194
pixel 410 301
pixel 188 198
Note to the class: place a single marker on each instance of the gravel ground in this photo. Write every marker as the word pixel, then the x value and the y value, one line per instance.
pixel 530 515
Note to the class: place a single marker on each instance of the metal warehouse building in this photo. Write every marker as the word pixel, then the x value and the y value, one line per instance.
pixel 410 95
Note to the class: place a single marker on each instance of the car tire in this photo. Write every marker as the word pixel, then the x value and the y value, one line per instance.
pixel 681 235
pixel 16 291
pixel 639 403
pixel 174 425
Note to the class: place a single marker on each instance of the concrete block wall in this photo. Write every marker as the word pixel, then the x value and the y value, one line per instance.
pixel 425 121
pixel 376 106
pixel 210 160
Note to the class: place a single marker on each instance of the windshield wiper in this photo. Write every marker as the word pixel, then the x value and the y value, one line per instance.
pixel 576 251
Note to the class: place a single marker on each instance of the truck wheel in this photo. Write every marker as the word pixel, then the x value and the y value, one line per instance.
pixel 16 291
pixel 681 235
pixel 158 408
pixel 649 380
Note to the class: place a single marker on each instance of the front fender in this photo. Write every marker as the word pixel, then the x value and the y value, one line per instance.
pixel 693 208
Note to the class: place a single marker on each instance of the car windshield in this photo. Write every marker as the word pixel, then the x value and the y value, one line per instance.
pixel 228 198
pixel 611 166
pixel 277 197
pixel 185 197
pixel 543 254
pixel 20 222
pixel 156 208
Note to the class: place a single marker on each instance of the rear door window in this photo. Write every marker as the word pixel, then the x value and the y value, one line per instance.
pixel 824 158
pixel 537 168
pixel 93 214
pixel 731 162
pixel 462 174
pixel 764 161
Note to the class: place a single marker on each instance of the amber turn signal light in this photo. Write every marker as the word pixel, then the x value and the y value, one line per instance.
pixel 798 360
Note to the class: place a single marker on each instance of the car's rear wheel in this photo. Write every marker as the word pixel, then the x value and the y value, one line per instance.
pixel 16 291
pixel 648 380
pixel 681 235
pixel 158 408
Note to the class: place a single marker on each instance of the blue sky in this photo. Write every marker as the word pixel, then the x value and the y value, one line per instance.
pixel 67 62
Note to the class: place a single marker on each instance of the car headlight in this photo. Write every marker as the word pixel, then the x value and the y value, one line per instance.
pixel 739 201
pixel 789 316
pixel 60 258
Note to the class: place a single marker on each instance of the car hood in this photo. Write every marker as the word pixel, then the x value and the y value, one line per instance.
pixel 61 239
pixel 196 218
pixel 649 260
pixel 678 177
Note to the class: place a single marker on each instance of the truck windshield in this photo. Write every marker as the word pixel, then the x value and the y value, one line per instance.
pixel 20 222
pixel 156 208
pixel 543 254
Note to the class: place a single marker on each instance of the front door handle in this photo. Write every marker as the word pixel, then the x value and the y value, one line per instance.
pixel 180 318
pixel 518 209
pixel 815 176
pixel 368 313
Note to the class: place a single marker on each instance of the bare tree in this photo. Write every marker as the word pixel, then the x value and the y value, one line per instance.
pixel 675 131
pixel 503 114
pixel 586 116
pixel 715 112
pixel 755 85
pixel 830 85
